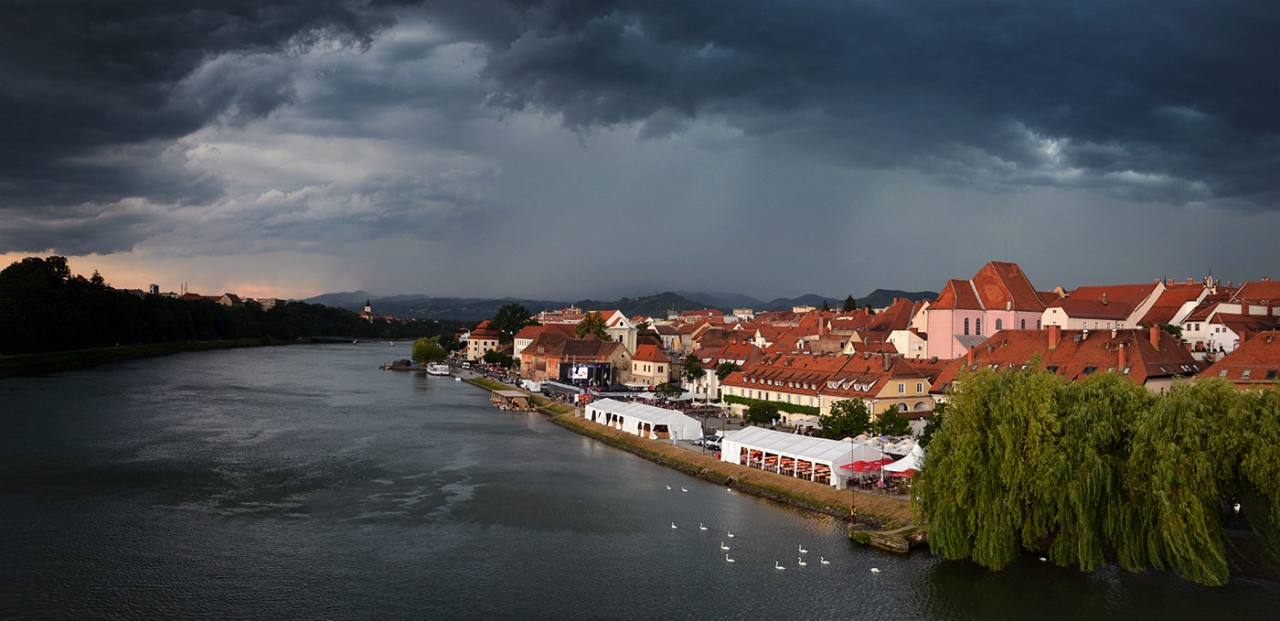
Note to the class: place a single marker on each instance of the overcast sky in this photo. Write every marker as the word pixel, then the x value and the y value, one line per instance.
pixel 563 149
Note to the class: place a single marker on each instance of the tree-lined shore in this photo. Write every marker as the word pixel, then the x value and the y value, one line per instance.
pixel 45 308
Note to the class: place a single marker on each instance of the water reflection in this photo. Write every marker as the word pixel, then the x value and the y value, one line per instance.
pixel 302 483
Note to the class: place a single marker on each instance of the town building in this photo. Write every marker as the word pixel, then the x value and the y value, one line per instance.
pixel 1254 364
pixel 482 340
pixel 998 297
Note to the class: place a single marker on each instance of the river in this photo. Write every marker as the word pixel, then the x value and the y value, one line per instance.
pixel 302 483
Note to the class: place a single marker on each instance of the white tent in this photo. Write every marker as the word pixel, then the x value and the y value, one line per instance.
pixel 913 461
pixel 644 420
pixel 774 448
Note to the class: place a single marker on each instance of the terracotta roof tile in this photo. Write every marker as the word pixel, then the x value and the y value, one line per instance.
pixel 1255 364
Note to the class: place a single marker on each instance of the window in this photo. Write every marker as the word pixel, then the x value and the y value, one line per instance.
pixel 977 326
pixel 966 325
pixel 1222 373
pixel 1024 324
pixel 659 368
pixel 1271 374
pixel 1037 324
pixel 1090 370
pixel 999 325
pixel 919 386
pixel 1051 368
pixel 902 388
pixel 1246 373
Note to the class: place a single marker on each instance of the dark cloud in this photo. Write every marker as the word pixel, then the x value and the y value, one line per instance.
pixel 1094 94
pixel 81 76
pixel 1168 102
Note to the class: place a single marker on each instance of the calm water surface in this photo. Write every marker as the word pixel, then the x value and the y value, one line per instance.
pixel 303 483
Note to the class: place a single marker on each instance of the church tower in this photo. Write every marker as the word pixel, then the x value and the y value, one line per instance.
pixel 368 310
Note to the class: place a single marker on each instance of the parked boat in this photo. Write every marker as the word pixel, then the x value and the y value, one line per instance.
pixel 438 369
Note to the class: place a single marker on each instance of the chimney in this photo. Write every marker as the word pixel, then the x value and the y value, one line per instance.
pixel 1104 299
pixel 1155 337
pixel 887 362
pixel 1055 335
pixel 969 355
pixel 1124 360
pixel 1244 336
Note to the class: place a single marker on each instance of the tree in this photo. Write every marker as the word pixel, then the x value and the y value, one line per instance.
pixel 97 280
pixel 891 423
pixel 933 425
pixel 592 323
pixel 509 319
pixel 825 307
pixel 846 419
pixel 850 305
pixel 726 369
pixel 667 390
pixel 691 370
pixel 761 413
pixel 501 359
pixel 426 350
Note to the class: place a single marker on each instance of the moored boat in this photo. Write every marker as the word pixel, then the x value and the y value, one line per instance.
pixel 438 369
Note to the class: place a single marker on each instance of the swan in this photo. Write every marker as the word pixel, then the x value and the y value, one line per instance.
pixel 673 525
pixel 800 560
pixel 731 535
pixel 777 566
pixel 683 489
pixel 1043 559
pixel 801 548
pixel 701 527
pixel 874 570
pixel 723 547
pixel 823 560
pixel 726 558
pixel 668 487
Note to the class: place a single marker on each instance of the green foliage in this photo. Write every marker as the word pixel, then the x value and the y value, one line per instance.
pixel 849 305
pixel 667 390
pixel 846 419
pixel 592 323
pixel 861 537
pixel 761 413
pixel 934 423
pixel 501 359
pixel 427 350
pixel 43 308
pixel 793 408
pixel 691 369
pixel 726 369
pixel 825 307
pixel 891 423
pixel 1024 460
pixel 509 320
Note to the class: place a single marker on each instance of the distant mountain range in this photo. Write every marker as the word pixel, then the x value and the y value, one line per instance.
pixel 475 309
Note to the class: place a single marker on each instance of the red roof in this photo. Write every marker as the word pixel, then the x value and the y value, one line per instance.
pixel 997 286
pixel 1260 292
pixel 1255 364
pixel 1076 356
pixel 1171 300
pixel 649 353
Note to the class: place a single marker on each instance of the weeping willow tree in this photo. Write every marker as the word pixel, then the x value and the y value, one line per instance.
pixel 1028 461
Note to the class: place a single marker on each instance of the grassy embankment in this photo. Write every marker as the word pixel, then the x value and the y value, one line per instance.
pixel 887 512
pixel 35 364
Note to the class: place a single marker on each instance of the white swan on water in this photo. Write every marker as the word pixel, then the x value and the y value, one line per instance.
pixel 723 547
pixel 777 566
pixel 668 487
pixel 874 570
pixel 683 489
pixel 731 534
pixel 823 560
pixel 701 527
pixel 726 557
pixel 673 525
pixel 801 548
pixel 800 560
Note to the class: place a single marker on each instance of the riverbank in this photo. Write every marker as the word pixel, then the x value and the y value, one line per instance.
pixel 55 362
pixel 873 509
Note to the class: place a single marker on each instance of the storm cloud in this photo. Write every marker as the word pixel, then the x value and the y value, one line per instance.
pixel 193 128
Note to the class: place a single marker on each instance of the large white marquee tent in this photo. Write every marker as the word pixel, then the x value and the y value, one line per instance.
pixel 773 450
pixel 644 420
